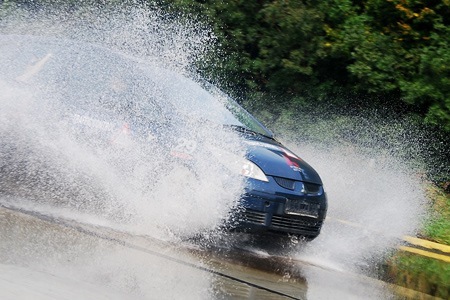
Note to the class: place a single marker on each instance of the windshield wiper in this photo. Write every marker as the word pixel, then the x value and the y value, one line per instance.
pixel 246 130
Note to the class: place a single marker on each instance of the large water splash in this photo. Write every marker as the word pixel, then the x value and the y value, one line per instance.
pixel 91 115
pixel 374 201
pixel 141 30
pixel 98 125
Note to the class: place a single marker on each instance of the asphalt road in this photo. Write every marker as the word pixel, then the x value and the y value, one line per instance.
pixel 48 257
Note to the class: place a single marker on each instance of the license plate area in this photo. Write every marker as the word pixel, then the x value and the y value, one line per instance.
pixel 301 208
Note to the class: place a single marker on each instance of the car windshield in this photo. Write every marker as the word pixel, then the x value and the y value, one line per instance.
pixel 208 103
pixel 92 78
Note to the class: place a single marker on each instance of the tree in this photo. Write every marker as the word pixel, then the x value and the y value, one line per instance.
pixel 399 47
pixel 395 51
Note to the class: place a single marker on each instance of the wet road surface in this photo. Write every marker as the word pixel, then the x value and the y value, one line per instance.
pixel 44 257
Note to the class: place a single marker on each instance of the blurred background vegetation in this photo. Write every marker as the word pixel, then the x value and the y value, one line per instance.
pixel 380 52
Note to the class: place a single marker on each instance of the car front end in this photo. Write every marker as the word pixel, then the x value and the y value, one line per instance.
pixel 283 194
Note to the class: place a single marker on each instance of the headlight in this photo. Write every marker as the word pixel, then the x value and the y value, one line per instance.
pixel 251 170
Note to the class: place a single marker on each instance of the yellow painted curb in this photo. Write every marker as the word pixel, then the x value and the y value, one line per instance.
pixel 414 241
pixel 427 244
pixel 442 257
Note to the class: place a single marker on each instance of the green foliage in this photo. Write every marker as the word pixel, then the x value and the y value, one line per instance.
pixel 404 47
pixel 419 273
pixel 234 25
pixel 289 46
pixel 395 51
pixel 437 227
pixel 431 83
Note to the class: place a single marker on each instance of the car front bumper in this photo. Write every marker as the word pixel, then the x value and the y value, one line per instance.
pixel 264 208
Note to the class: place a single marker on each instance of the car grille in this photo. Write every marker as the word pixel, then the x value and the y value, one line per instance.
pixel 282 222
pixel 295 223
pixel 255 217
pixel 286 183
pixel 309 188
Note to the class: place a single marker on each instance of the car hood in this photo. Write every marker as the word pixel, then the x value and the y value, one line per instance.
pixel 276 160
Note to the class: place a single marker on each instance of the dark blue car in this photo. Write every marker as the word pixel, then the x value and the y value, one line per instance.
pixel 287 198
pixel 282 193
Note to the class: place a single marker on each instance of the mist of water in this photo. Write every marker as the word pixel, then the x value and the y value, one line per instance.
pixel 48 158
pixel 374 201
